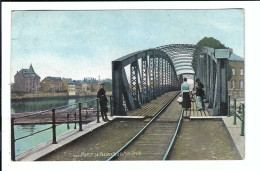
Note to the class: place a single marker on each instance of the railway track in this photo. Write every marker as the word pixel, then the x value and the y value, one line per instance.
pixel 156 138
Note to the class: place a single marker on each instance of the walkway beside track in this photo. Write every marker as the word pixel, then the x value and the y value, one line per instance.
pixel 208 139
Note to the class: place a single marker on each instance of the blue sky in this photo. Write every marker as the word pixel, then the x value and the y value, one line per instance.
pixel 78 44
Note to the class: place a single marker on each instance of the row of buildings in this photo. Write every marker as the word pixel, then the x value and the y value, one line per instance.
pixel 26 80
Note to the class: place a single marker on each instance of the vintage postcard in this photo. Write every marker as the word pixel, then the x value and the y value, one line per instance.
pixel 127 85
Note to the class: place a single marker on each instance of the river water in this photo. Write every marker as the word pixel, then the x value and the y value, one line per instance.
pixel 31 105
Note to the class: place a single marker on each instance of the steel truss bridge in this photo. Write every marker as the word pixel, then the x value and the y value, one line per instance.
pixel 156 71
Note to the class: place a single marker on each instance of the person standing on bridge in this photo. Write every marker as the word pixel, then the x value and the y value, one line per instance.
pixel 185 90
pixel 101 94
pixel 200 95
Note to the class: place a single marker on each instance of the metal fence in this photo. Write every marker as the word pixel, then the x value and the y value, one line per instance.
pixel 237 112
pixel 65 114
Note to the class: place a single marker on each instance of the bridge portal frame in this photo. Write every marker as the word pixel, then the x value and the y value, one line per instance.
pixel 146 83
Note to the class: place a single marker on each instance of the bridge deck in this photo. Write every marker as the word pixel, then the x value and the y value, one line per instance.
pixel 193 111
pixel 150 109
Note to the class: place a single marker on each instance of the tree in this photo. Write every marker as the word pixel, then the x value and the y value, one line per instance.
pixel 213 43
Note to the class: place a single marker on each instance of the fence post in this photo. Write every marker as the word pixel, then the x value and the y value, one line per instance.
pixel 53 127
pixel 235 112
pixel 243 121
pixel 12 140
pixel 80 120
pixel 111 107
pixel 228 106
pixel 98 111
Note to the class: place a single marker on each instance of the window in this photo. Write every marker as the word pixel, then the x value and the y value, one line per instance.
pixel 233 84
pixel 233 71
pixel 241 84
pixel 241 71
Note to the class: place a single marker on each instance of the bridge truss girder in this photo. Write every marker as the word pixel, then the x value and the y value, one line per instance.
pixel 213 74
pixel 156 71
pixel 146 83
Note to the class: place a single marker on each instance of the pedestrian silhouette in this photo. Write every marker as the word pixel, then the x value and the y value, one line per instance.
pixel 200 95
pixel 185 90
pixel 101 94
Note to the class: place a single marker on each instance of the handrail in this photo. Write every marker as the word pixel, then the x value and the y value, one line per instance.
pixel 78 119
pixel 33 134
pixel 241 116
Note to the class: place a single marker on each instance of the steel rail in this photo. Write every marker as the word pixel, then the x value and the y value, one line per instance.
pixel 174 137
pixel 143 129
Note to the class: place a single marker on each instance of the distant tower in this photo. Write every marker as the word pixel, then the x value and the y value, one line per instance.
pixel 99 78
pixel 26 80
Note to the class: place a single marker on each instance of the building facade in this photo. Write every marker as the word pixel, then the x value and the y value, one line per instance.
pixel 26 80
pixel 52 84
pixel 236 86
pixel 75 88
pixel 65 84
pixel 71 89
pixel 78 88
pixel 85 88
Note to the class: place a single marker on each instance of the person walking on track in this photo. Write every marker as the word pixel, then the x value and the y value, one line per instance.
pixel 200 95
pixel 101 94
pixel 185 90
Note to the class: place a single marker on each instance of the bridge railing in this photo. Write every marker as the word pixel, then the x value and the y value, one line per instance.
pixel 237 112
pixel 56 117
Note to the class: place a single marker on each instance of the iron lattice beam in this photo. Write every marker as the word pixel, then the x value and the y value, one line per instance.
pixel 161 71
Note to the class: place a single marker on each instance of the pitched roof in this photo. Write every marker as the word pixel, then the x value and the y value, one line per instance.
pixel 68 80
pixel 31 69
pixel 54 78
pixel 28 72
pixel 234 57
pixel 76 82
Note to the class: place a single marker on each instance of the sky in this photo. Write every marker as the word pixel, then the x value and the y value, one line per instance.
pixel 78 44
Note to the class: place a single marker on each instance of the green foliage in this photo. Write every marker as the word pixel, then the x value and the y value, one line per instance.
pixel 211 42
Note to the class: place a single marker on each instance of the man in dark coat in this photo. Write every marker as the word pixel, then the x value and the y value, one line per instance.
pixel 200 95
pixel 101 94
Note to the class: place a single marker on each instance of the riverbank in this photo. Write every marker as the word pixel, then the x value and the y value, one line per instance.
pixel 31 96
